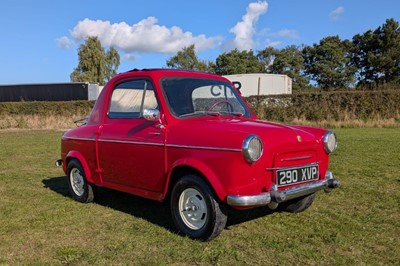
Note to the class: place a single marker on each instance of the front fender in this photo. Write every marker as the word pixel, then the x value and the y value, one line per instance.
pixel 78 156
pixel 205 170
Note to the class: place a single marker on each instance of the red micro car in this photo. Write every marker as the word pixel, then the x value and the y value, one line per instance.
pixel 190 138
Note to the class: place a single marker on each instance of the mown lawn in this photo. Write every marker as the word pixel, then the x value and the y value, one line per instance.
pixel 359 224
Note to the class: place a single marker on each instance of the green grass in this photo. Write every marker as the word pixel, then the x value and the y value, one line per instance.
pixel 359 224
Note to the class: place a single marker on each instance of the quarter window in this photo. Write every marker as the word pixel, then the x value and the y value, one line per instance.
pixel 130 98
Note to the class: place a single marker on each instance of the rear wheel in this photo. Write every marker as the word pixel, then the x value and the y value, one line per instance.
pixel 80 189
pixel 195 212
pixel 297 205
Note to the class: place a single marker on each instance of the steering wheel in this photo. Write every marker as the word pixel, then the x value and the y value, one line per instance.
pixel 220 102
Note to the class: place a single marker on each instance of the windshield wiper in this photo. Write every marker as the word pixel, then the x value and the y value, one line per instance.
pixel 199 113
pixel 239 114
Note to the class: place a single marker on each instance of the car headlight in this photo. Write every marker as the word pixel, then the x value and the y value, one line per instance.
pixel 252 148
pixel 330 142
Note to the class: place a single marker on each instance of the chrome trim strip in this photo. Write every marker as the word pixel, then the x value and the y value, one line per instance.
pixel 296 158
pixel 131 142
pixel 293 167
pixel 158 144
pixel 70 138
pixel 254 200
pixel 202 148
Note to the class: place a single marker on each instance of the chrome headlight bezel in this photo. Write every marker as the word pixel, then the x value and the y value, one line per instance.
pixel 330 142
pixel 252 148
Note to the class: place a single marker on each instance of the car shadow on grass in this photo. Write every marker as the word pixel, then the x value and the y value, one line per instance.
pixel 155 212
pixel 241 216
pixel 152 211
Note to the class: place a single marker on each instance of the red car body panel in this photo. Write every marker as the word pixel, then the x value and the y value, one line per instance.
pixel 139 156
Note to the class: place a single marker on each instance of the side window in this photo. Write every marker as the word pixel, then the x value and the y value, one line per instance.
pixel 130 98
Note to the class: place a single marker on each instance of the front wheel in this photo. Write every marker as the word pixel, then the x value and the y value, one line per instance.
pixel 81 190
pixel 195 212
pixel 297 205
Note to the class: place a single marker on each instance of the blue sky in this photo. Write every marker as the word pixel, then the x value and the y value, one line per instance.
pixel 40 38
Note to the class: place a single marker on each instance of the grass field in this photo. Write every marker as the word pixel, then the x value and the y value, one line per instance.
pixel 359 224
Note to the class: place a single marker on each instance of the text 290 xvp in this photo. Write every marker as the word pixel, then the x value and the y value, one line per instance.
pixel 296 175
pixel 190 139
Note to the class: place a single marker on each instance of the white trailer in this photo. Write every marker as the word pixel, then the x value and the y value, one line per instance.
pixel 93 91
pixel 262 84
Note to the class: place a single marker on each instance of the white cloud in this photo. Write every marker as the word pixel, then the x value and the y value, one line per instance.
pixel 129 57
pixel 270 43
pixel 290 34
pixel 144 36
pixel 64 42
pixel 148 36
pixel 245 29
pixel 335 14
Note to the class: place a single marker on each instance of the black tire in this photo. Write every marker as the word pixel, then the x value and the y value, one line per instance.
pixel 81 190
pixel 297 205
pixel 195 212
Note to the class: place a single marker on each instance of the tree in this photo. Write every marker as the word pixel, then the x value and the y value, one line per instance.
pixel 288 61
pixel 267 58
pixel 112 63
pixel 328 63
pixel 187 59
pixel 236 62
pixel 95 64
pixel 376 54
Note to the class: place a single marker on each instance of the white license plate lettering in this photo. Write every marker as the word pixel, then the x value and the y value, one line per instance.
pixel 297 175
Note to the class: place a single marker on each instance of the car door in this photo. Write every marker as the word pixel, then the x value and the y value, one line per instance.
pixel 131 148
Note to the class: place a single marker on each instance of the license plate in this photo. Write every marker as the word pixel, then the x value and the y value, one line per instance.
pixel 296 175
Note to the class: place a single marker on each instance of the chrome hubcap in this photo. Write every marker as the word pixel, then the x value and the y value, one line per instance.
pixel 193 208
pixel 77 182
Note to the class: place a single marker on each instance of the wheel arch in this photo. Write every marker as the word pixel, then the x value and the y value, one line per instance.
pixel 81 159
pixel 189 166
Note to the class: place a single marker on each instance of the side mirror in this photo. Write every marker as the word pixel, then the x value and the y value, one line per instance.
pixel 151 114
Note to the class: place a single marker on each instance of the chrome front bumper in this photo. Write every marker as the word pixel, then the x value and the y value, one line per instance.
pixel 276 196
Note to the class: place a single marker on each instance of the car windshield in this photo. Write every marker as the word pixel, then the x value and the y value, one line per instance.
pixel 198 97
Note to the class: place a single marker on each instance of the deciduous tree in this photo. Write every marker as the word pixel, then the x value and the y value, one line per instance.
pixel 328 63
pixel 112 63
pixel 376 54
pixel 288 61
pixel 187 59
pixel 95 64
pixel 267 58
pixel 238 62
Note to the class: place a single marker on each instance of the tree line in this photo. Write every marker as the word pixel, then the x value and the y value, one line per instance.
pixel 369 61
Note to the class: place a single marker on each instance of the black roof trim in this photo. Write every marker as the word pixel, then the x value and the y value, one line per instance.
pixel 147 69
pixel 167 69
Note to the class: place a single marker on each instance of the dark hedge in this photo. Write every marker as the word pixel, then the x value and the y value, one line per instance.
pixel 336 106
pixel 46 108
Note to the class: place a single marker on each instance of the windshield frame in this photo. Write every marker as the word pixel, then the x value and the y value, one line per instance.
pixel 170 97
